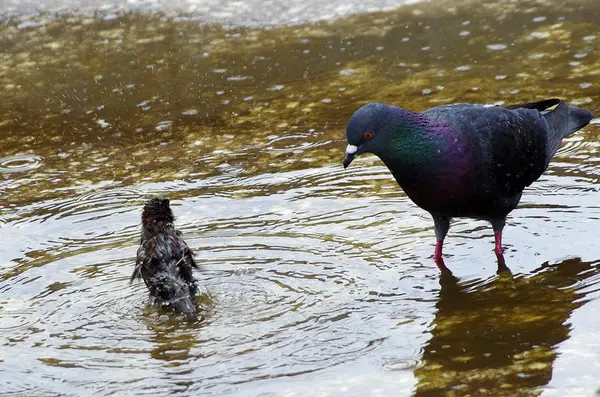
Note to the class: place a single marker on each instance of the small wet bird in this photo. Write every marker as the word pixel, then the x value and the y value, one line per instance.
pixel 164 260
pixel 464 160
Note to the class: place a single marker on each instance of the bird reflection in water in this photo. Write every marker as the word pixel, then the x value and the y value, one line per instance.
pixel 500 333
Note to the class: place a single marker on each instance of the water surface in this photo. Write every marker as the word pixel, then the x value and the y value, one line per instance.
pixel 315 280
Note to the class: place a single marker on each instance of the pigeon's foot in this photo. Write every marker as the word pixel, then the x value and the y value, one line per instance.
pixel 437 257
pixel 502 268
pixel 442 266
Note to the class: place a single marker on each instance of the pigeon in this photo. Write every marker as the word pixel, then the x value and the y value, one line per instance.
pixel 464 160
pixel 164 260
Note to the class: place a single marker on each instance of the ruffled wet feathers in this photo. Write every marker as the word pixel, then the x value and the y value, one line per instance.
pixel 164 261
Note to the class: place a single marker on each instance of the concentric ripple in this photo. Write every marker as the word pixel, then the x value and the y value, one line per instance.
pixel 315 280
pixel 19 163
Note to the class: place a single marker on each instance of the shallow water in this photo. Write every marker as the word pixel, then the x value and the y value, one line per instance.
pixel 316 280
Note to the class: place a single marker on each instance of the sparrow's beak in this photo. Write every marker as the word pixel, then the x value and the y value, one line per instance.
pixel 350 154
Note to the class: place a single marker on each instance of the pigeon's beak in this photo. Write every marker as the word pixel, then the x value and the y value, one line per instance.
pixel 350 154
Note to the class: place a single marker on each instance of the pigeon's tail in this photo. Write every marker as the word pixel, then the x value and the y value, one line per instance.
pixel 563 121
pixel 578 118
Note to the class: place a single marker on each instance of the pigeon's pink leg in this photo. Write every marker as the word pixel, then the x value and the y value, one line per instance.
pixel 437 255
pixel 442 225
pixel 498 240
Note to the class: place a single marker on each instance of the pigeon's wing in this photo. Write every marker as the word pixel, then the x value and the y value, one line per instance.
pixel 509 146
pixel 538 105
pixel 517 146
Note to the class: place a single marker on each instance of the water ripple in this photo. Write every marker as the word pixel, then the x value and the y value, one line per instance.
pixel 19 163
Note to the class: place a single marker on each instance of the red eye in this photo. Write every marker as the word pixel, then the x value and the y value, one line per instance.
pixel 369 134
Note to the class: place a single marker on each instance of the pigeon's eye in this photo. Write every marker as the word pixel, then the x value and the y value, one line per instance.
pixel 368 134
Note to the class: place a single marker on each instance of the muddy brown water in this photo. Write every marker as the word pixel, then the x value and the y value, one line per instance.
pixel 316 281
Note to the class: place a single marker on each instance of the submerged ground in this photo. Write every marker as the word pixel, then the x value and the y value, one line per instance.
pixel 316 281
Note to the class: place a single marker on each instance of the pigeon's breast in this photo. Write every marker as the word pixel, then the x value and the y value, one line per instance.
pixel 448 182
pixel 460 199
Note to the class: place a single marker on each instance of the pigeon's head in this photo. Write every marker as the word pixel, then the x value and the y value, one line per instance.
pixel 366 130
pixel 157 209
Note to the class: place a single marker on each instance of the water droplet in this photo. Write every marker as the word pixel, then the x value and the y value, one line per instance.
pixel 500 77
pixel 539 19
pixel 163 125
pixel 190 112
pixel 426 91
pixel 537 55
pixel 581 55
pixel 277 87
pixel 379 48
pixel 242 271
pixel 102 123
pixel 464 33
pixel 237 78
pixel 497 47
pixel 29 24
pixel 463 68
pixel 590 38
pixel 585 85
pixel 219 71
pixel 540 35
pixel 326 100
pixel 248 98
